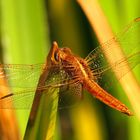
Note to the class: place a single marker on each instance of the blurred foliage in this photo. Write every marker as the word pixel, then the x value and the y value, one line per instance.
pixel 25 38
pixel 28 27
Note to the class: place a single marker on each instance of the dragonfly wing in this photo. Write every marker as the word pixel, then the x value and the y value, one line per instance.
pixel 70 95
pixel 18 75
pixel 21 100
pixel 70 88
pixel 21 96
pixel 128 38
pixel 120 67
pixel 130 42
pixel 27 76
pixel 61 76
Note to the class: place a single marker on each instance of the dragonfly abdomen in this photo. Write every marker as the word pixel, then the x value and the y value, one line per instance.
pixel 105 97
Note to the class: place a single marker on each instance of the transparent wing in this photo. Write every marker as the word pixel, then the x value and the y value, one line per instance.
pixel 17 100
pixel 129 40
pixel 27 76
pixel 70 95
pixel 21 100
pixel 18 75
pixel 21 96
pixel 119 67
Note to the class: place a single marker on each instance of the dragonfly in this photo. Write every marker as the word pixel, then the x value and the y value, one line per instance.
pixel 70 73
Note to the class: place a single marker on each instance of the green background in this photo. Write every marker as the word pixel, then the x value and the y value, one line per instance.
pixel 28 28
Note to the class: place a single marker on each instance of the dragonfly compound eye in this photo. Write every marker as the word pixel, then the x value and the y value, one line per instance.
pixel 56 56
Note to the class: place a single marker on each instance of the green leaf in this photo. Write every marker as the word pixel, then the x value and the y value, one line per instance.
pixel 44 125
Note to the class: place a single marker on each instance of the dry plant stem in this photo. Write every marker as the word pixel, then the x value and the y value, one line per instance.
pixel 103 31
pixel 8 123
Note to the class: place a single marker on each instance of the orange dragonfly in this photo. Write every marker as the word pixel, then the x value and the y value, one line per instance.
pixel 69 72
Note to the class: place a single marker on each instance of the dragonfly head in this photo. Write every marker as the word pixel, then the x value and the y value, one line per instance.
pixel 59 54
